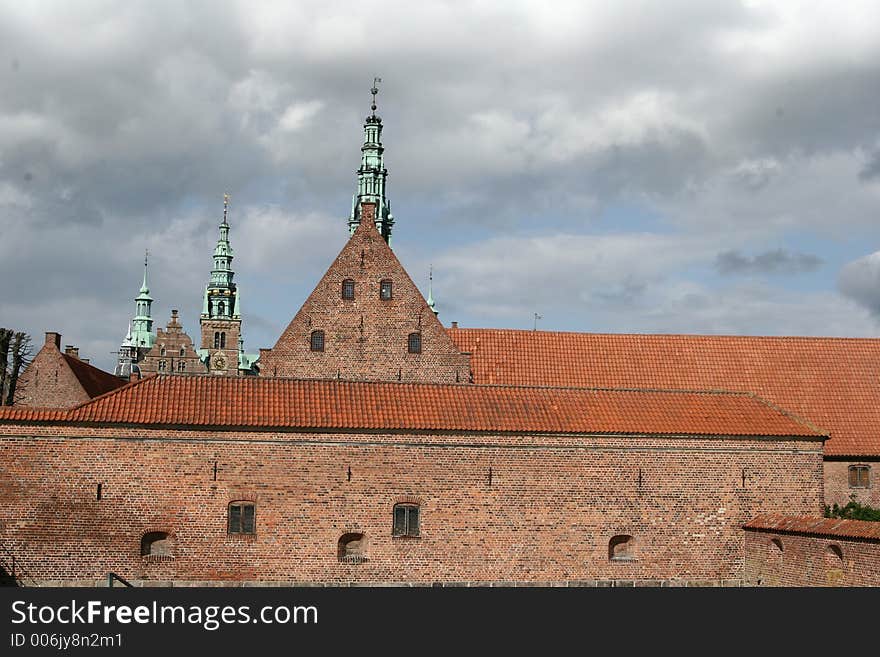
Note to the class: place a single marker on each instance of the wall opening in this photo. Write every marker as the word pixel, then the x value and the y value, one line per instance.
pixel 156 544
pixel 352 548
pixel 622 548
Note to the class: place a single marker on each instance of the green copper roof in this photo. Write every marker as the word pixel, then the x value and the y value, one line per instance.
pixel 372 176
pixel 141 328
pixel 221 293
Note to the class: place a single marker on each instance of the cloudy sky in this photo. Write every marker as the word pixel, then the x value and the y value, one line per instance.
pixel 688 167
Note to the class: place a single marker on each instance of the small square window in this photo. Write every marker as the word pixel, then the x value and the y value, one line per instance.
pixel 385 290
pixel 242 518
pixel 406 520
pixel 859 476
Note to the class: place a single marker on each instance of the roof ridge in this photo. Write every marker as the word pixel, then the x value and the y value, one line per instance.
pixel 793 416
pixel 666 335
pixel 115 391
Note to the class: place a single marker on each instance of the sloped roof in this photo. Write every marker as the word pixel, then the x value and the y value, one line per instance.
pixel 95 382
pixel 832 382
pixel 322 404
pixel 832 527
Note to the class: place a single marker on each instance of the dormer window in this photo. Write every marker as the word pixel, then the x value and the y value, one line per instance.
pixel 348 289
pixel 385 290
pixel 162 350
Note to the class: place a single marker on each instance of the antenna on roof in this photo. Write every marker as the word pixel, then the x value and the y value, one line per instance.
pixel 537 317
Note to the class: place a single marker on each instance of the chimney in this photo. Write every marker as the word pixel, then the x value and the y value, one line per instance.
pixel 454 324
pixel 70 350
pixel 53 338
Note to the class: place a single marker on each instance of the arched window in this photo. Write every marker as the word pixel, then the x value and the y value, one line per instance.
pixel 414 343
pixel 859 476
pixel 162 350
pixel 221 308
pixel 352 548
pixel 406 520
pixel 242 518
pixel 316 342
pixel 622 548
pixel 156 544
pixel 348 289
pixel 385 290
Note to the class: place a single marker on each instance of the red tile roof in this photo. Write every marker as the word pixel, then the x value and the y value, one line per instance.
pixel 832 527
pixel 833 382
pixel 94 381
pixel 321 404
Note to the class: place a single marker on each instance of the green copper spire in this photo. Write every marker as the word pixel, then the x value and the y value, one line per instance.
pixel 220 296
pixel 372 175
pixel 142 324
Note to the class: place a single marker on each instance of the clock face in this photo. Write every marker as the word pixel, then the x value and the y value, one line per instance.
pixel 219 361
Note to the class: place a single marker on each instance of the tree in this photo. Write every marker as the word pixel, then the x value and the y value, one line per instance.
pixel 15 354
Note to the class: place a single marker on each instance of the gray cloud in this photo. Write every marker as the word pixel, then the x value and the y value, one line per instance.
pixel 860 281
pixel 778 261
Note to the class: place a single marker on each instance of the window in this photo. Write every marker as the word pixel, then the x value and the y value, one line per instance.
pixel 162 350
pixel 182 352
pixel 414 343
pixel 859 476
pixel 348 289
pixel 406 520
pixel 155 544
pixel 385 290
pixel 242 518
pixel 162 365
pixel 221 308
pixel 622 548
pixel 216 339
pixel 181 366
pixel 317 341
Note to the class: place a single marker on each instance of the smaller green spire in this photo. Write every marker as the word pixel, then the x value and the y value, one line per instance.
pixel 142 324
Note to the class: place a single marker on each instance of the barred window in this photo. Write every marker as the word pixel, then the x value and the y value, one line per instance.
pixel 317 341
pixel 406 520
pixel 859 476
pixel 242 518
pixel 385 290
pixel 414 343
pixel 348 289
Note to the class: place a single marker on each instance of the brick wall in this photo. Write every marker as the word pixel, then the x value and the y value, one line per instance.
pixel 547 514
pixel 803 559
pixel 366 337
pixel 837 488
pixel 48 381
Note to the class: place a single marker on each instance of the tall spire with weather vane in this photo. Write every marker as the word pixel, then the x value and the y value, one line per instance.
pixel 372 175
pixel 431 303
pixel 142 323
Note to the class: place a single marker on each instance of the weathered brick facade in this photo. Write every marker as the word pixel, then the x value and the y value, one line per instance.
pixel 367 337
pixel 494 508
pixel 173 351
pixel 838 479
pixel 804 558
pixel 61 380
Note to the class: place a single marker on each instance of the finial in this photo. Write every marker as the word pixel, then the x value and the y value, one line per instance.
pixel 537 317
pixel 431 288
pixel 374 91
pixel 225 206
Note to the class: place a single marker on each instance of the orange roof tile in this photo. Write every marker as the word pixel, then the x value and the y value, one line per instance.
pixel 832 382
pixel 832 527
pixel 322 404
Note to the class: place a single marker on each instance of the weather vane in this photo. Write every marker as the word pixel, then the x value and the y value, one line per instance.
pixel 374 91
pixel 225 206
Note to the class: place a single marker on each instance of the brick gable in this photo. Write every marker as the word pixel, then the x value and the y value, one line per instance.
pixel 366 338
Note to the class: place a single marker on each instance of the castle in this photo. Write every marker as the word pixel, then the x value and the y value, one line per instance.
pixel 373 444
